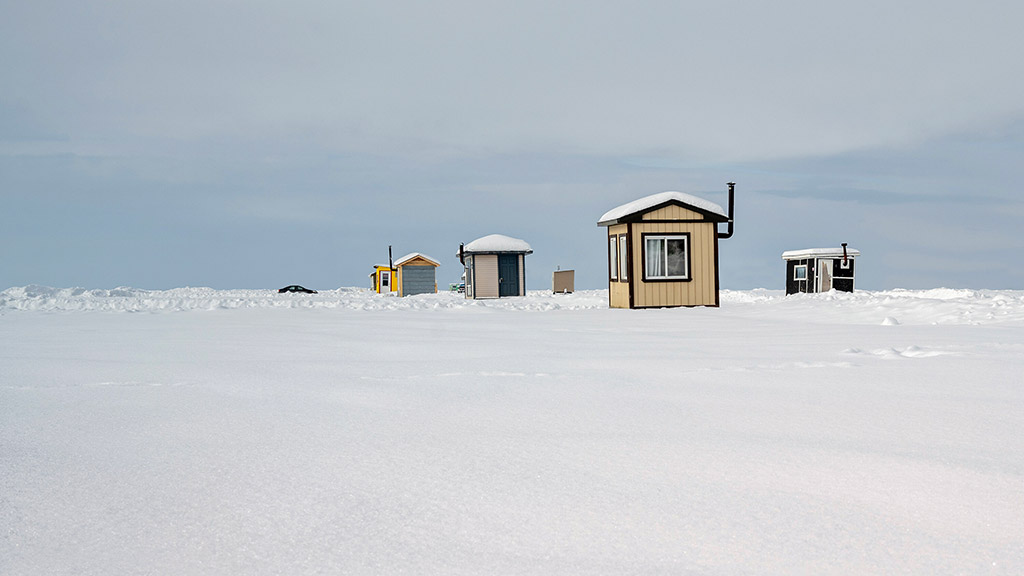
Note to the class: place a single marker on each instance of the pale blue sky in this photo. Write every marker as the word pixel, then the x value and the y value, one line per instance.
pixel 258 144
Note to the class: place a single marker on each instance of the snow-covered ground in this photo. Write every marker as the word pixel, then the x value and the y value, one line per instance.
pixel 200 431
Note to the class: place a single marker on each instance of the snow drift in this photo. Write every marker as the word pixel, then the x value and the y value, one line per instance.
pixel 200 431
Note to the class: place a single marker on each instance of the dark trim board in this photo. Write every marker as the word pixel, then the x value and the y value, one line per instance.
pixel 673 222
pixel 522 267
pixel 676 306
pixel 717 288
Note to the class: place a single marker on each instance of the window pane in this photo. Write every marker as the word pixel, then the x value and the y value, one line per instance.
pixel 613 259
pixel 623 258
pixel 677 260
pixel 655 258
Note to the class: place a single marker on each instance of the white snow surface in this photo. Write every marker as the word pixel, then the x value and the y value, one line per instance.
pixel 819 252
pixel 497 243
pixel 201 431
pixel 653 200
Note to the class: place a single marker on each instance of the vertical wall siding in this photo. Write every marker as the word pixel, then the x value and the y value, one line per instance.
pixel 522 274
pixel 700 290
pixel 673 213
pixel 486 266
pixel 619 295
pixel 618 292
pixel 417 280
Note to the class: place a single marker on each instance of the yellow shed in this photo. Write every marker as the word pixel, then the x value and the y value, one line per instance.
pixel 663 250
pixel 382 279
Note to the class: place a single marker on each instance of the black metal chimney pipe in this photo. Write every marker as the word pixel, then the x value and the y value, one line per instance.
pixel 732 205
pixel 844 252
pixel 391 266
pixel 462 254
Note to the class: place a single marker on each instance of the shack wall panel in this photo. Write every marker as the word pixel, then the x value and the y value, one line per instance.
pixel 673 213
pixel 563 281
pixel 522 274
pixel 842 284
pixel 618 292
pixel 700 289
pixel 417 280
pixel 486 272
pixel 839 272
pixel 619 295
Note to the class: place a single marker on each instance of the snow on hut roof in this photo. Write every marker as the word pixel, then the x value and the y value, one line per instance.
pixel 498 243
pixel 413 255
pixel 819 253
pixel 653 200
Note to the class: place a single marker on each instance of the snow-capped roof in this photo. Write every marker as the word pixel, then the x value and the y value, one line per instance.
pixel 653 200
pixel 413 255
pixel 819 253
pixel 498 243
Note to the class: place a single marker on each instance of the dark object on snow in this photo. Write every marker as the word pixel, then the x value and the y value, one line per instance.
pixel 296 288
pixel 820 269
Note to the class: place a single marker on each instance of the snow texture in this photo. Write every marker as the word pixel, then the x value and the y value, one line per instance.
pixel 819 253
pixel 200 431
pixel 498 243
pixel 655 199
pixel 412 255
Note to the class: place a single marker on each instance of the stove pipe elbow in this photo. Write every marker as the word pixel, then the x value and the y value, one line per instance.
pixel 732 206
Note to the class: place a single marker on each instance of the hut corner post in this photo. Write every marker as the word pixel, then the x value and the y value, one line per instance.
pixel 732 205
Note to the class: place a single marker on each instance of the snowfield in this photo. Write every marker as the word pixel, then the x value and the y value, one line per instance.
pixel 200 431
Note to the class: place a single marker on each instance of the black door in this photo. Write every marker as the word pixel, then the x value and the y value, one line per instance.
pixel 508 274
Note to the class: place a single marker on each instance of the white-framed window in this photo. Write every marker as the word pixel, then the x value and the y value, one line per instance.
pixel 845 264
pixel 623 259
pixel 385 279
pixel 613 258
pixel 667 257
pixel 800 272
